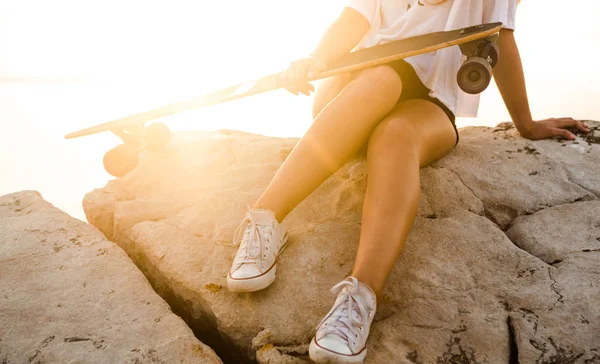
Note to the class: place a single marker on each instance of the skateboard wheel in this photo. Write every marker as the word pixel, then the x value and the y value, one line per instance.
pixel 157 136
pixel 474 75
pixel 121 160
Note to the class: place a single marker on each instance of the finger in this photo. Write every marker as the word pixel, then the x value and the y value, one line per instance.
pixel 565 122
pixel 302 85
pixel 570 122
pixel 309 87
pixel 581 126
pixel 563 133
pixel 306 88
pixel 300 88
pixel 292 90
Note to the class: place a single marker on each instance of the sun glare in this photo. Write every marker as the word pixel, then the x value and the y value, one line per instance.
pixel 132 56
pixel 153 53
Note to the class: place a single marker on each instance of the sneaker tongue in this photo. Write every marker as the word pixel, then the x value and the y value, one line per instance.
pixel 353 315
pixel 367 297
pixel 263 217
pixel 254 250
pixel 260 218
pixel 343 308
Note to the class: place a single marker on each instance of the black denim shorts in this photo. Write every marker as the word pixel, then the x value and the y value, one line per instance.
pixel 413 88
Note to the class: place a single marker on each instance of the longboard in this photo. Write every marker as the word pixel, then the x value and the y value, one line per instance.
pixel 466 38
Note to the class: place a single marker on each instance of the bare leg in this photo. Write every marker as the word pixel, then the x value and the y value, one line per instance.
pixel 415 134
pixel 327 90
pixel 338 131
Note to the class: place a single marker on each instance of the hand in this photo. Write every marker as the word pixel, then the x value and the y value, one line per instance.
pixel 295 78
pixel 549 128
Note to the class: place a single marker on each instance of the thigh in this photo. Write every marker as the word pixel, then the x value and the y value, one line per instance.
pixel 327 90
pixel 384 78
pixel 422 124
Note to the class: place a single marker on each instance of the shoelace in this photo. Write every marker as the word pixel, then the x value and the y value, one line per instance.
pixel 247 227
pixel 342 322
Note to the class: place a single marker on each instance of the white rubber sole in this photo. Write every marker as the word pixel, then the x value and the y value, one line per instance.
pixel 322 356
pixel 252 284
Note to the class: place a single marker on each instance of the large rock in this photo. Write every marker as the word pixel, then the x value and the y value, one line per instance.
pixel 543 233
pixel 462 291
pixel 67 295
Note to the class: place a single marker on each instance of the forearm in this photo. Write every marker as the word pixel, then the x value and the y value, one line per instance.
pixel 510 80
pixel 342 35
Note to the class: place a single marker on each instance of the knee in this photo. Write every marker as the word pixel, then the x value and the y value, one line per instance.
pixel 394 134
pixel 381 85
pixel 384 81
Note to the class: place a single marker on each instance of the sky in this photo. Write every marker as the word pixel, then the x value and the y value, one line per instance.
pixel 117 57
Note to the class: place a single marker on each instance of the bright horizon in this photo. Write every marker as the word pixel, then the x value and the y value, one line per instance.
pixel 136 55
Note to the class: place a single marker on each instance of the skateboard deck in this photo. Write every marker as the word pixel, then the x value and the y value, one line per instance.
pixel 352 62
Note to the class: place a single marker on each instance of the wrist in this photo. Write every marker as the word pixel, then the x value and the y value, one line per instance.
pixel 524 126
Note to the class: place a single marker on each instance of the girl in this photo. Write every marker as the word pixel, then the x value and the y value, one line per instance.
pixel 405 111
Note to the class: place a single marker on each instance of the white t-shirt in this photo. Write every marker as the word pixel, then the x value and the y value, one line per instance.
pixel 398 19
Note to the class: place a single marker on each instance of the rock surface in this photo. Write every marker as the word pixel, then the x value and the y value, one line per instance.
pixel 67 295
pixel 463 291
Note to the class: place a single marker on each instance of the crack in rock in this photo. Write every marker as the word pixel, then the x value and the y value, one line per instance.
pixel 509 211
pixel 570 179
pixel 583 198
pixel 513 348
pixel 430 327
pixel 463 183
pixel 270 353
pixel 559 355
pixel 529 271
pixel 556 261
pixel 555 288
pixel 31 358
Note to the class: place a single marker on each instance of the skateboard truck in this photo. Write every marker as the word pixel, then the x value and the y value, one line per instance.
pixel 124 158
pixel 475 74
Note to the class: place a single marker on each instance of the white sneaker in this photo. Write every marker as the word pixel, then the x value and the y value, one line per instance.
pixel 261 238
pixel 342 335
